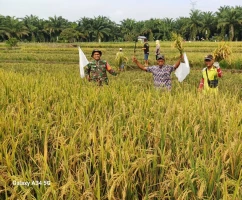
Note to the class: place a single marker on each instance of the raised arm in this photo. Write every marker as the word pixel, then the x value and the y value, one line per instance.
pixel 216 64
pixel 219 72
pixel 178 62
pixel 139 64
pixel 157 48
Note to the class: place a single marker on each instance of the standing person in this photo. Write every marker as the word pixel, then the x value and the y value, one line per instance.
pixel 157 48
pixel 210 74
pixel 161 72
pixel 96 70
pixel 120 59
pixel 146 52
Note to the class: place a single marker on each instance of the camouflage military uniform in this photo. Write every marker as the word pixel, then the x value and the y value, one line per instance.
pixel 97 71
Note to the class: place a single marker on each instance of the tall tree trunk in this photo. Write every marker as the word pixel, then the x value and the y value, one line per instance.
pixel 231 34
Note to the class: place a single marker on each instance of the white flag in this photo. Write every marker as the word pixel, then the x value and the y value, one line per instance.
pixel 82 62
pixel 183 70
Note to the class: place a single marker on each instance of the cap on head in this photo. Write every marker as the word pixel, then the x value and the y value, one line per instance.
pixel 160 57
pixel 157 41
pixel 208 57
pixel 120 49
pixel 96 50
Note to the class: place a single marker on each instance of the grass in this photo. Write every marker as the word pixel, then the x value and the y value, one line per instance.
pixel 122 141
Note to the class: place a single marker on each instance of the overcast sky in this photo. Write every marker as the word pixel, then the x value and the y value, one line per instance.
pixel 116 10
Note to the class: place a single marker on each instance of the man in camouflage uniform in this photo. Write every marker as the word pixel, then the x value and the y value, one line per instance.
pixel 96 70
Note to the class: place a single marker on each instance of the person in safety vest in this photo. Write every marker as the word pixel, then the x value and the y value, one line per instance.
pixel 210 75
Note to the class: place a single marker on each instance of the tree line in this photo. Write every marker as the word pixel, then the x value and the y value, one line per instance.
pixel 225 24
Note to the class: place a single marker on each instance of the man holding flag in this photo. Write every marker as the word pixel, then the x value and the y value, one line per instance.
pixel 96 70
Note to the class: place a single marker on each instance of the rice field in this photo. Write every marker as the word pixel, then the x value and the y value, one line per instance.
pixel 64 138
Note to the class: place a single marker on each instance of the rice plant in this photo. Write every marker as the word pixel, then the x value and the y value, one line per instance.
pixel 64 138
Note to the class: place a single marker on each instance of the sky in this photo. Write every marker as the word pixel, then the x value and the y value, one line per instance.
pixel 73 10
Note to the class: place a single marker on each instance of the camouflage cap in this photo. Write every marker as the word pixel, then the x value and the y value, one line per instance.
pixel 96 50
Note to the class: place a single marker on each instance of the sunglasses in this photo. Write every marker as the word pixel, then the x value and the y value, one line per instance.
pixel 207 60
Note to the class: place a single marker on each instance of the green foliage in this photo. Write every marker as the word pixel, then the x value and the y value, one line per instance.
pixel 226 21
pixel 69 35
pixel 12 42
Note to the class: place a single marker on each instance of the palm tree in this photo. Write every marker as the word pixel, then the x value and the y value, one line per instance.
pixel 42 34
pixel 208 23
pixel 168 27
pixel 195 23
pixel 180 27
pixel 75 27
pixel 148 28
pixel 54 26
pixel 221 29
pixel 229 17
pixel 14 27
pixel 238 27
pixel 128 29
pixel 157 29
pixel 31 22
pixel 4 31
pixel 100 28
pixel 84 27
